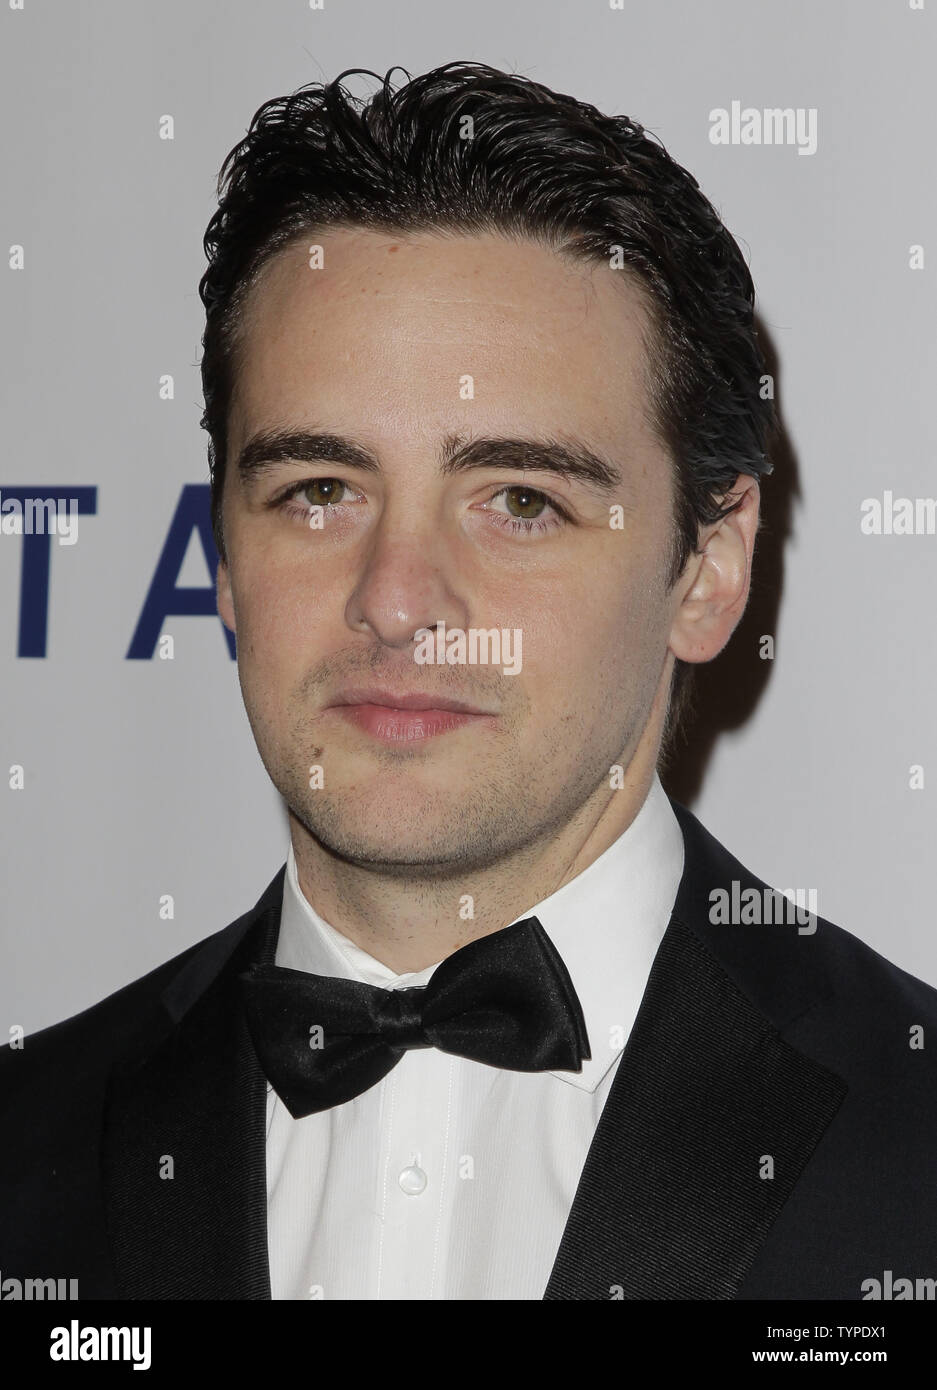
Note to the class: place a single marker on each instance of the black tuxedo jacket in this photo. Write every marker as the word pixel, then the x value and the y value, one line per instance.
pixel 752 1043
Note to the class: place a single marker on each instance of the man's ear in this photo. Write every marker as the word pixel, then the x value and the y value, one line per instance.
pixel 715 583
pixel 225 599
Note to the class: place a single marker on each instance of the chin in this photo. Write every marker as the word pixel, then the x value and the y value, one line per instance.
pixel 367 827
pixel 372 846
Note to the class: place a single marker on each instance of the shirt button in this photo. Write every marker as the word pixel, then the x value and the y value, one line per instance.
pixel 412 1180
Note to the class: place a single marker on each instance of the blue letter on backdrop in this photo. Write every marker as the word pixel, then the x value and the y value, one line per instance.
pixel 165 598
pixel 34 574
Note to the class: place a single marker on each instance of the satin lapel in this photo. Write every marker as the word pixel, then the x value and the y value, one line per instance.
pixel 183 1146
pixel 671 1204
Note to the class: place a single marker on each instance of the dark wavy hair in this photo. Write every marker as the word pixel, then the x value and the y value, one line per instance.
pixel 539 165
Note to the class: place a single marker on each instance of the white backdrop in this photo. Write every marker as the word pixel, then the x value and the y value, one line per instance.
pixel 140 776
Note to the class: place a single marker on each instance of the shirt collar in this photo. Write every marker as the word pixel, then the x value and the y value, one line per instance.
pixel 606 923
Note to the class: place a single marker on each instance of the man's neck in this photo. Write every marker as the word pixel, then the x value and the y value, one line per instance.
pixel 413 922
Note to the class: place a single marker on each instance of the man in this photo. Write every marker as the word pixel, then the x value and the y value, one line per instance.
pixel 487 419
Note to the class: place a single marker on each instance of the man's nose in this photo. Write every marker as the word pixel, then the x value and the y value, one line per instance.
pixel 408 581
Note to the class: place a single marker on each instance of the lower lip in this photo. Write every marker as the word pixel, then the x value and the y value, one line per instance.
pixel 406 725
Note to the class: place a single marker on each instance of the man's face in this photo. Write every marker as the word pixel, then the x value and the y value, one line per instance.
pixel 404 345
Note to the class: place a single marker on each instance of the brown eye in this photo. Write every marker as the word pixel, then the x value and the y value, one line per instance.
pixel 524 502
pixel 322 491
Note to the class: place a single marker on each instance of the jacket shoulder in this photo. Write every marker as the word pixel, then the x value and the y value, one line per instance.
pixel 84 1046
pixel 802 965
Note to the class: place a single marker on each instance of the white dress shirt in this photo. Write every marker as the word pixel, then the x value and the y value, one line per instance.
pixel 451 1179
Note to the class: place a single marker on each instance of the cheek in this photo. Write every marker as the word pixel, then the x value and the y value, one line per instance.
pixel 607 608
pixel 612 645
pixel 275 610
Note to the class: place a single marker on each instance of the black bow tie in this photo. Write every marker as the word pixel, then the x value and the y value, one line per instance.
pixel 505 999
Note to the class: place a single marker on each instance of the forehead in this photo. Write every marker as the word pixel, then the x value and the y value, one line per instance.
pixel 435 326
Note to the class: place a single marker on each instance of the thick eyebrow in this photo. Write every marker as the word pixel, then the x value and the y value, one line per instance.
pixel 567 458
